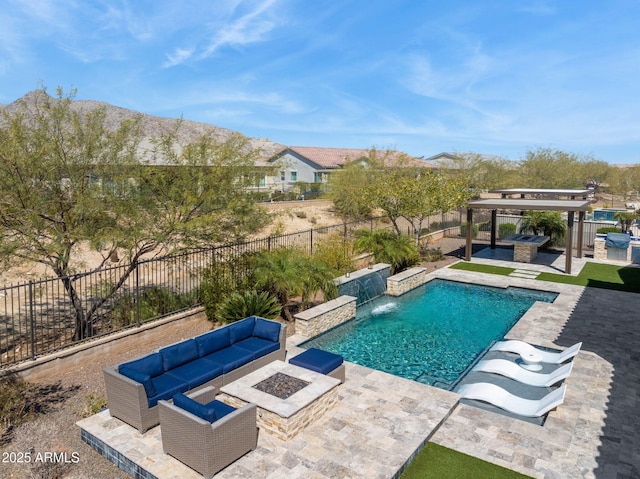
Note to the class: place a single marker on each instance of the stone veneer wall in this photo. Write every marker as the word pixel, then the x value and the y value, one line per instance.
pixel 599 251
pixel 524 253
pixel 285 428
pixel 406 281
pixel 325 316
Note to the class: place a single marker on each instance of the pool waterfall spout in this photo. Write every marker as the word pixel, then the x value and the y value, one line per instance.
pixel 365 284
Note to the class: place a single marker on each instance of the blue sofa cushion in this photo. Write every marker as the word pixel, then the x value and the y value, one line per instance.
pixel 214 341
pixel 179 354
pixel 317 360
pixel 241 329
pixel 257 346
pixel 203 411
pixel 222 409
pixel 197 372
pixel 209 412
pixel 268 330
pixel 150 364
pixel 141 377
pixel 231 358
pixel 166 386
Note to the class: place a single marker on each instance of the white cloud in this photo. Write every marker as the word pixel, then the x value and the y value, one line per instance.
pixel 179 56
pixel 249 28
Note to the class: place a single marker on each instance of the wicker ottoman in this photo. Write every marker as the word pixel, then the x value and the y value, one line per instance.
pixel 322 362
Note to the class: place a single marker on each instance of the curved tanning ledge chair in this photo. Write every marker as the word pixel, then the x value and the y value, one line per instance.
pixel 521 347
pixel 511 370
pixel 503 399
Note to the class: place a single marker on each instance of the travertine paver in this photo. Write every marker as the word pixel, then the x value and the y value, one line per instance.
pixel 380 420
pixel 378 423
pixel 595 433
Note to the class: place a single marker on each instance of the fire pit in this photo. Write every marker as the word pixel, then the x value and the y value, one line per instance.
pixel 288 397
pixel 281 385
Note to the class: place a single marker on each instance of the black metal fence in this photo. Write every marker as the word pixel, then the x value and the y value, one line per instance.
pixel 40 316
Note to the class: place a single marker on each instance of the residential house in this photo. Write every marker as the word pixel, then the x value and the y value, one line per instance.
pixel 310 164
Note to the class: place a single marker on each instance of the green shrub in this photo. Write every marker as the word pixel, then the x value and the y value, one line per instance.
pixel 222 279
pixel 484 226
pixel 463 230
pixel 334 251
pixel 152 303
pixel 506 229
pixel 250 303
pixel 608 229
pixel 431 254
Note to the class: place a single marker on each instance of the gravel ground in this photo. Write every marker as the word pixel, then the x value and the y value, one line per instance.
pixel 68 398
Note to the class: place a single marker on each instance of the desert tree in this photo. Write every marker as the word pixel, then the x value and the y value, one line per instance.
pixel 72 177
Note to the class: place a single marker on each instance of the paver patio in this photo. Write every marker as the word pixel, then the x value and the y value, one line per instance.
pixel 380 420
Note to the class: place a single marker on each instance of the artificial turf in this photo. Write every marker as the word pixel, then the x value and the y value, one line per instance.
pixel 594 275
pixel 483 268
pixel 439 462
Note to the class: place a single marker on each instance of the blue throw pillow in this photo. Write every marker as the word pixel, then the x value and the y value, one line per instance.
pixel 268 330
pixel 141 377
pixel 203 411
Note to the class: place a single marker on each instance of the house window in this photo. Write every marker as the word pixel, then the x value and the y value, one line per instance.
pixel 317 177
pixel 294 176
pixel 282 176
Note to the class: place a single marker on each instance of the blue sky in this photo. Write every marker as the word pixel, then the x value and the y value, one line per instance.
pixel 495 77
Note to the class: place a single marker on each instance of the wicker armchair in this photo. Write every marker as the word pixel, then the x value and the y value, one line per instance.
pixel 204 446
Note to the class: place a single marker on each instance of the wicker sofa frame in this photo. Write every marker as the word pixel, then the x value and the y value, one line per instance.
pixel 203 446
pixel 127 399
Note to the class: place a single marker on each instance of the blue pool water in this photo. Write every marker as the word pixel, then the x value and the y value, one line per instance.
pixel 431 334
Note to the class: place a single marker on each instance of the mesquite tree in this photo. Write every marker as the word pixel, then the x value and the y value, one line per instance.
pixel 71 177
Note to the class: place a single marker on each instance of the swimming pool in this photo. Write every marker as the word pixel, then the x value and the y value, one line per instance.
pixel 431 334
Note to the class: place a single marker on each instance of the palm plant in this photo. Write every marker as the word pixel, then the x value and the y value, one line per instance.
pixel 626 219
pixel 547 223
pixel 289 272
pixel 277 272
pixel 317 276
pixel 387 247
pixel 250 303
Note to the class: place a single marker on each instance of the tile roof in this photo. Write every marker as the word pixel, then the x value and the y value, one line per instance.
pixel 330 158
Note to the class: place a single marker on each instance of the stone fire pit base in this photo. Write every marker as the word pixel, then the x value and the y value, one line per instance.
pixel 283 418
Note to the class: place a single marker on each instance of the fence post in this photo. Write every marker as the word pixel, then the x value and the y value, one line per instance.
pixel 32 321
pixel 137 296
pixel 311 241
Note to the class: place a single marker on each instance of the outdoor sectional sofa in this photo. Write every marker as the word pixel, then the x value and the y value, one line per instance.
pixel 213 359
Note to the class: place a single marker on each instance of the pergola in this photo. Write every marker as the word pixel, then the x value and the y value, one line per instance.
pixel 544 193
pixel 571 206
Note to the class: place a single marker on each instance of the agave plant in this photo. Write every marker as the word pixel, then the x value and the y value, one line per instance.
pixel 250 303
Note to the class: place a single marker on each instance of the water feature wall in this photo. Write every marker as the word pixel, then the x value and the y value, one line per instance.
pixel 365 284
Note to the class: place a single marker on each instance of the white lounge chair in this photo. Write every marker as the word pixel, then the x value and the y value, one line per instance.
pixel 510 402
pixel 522 348
pixel 507 368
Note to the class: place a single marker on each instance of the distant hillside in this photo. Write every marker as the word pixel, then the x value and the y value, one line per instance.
pixel 151 126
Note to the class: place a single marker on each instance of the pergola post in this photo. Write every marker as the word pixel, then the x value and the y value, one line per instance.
pixel 494 217
pixel 469 231
pixel 569 252
pixel 581 216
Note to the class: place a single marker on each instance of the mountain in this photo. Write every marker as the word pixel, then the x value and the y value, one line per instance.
pixel 151 126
